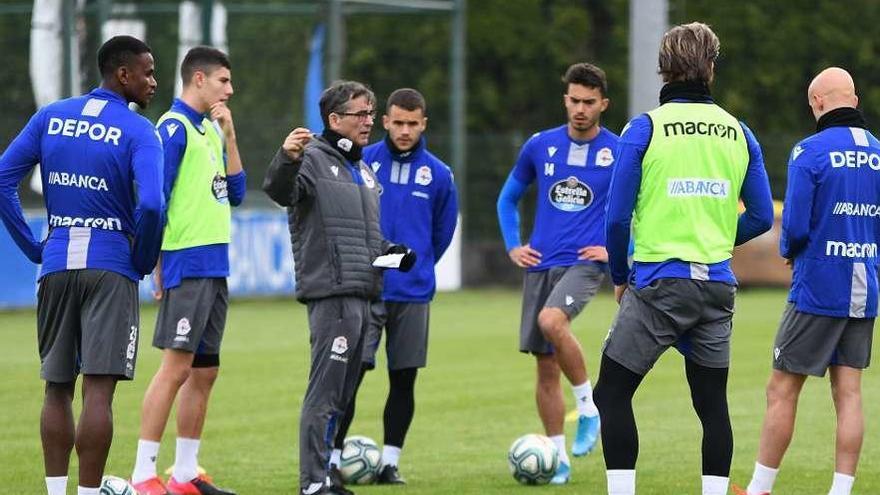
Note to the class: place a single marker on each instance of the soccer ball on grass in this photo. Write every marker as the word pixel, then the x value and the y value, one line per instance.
pixel 360 460
pixel 111 485
pixel 533 459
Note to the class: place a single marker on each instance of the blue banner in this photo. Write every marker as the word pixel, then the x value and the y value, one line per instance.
pixel 260 260
pixel 314 82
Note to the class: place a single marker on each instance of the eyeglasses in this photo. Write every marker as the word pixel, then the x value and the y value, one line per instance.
pixel 362 115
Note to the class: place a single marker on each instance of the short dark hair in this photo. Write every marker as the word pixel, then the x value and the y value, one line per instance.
pixel 587 75
pixel 119 51
pixel 335 98
pixel 408 99
pixel 202 58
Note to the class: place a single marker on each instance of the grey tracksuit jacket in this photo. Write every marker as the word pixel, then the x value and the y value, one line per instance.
pixel 333 214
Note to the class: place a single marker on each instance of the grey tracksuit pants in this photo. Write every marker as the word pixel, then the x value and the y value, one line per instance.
pixel 337 326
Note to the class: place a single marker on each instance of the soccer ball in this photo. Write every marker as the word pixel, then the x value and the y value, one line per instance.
pixel 533 459
pixel 360 460
pixel 111 485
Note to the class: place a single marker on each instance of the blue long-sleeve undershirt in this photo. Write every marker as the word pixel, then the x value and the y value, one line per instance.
pixel 508 213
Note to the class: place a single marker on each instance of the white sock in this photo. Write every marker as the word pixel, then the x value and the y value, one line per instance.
pixel 559 441
pixel 390 455
pixel 186 463
pixel 56 485
pixel 145 462
pixel 336 457
pixel 583 397
pixel 762 480
pixel 621 481
pixel 715 485
pixel 842 484
pixel 81 490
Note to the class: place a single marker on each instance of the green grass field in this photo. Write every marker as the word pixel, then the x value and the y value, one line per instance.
pixel 473 400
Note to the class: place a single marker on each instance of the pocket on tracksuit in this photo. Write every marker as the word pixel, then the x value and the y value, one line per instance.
pixel 336 263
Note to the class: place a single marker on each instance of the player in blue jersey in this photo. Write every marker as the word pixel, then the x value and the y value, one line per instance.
pixel 830 233
pixel 419 208
pixel 203 180
pixel 102 182
pixel 565 258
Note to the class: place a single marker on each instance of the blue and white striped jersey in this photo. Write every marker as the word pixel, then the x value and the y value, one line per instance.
pixel 102 183
pixel 831 219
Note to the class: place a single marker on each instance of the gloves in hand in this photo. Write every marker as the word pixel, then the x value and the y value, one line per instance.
pixel 409 256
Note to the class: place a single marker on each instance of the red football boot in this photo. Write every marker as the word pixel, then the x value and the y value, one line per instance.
pixel 200 485
pixel 152 486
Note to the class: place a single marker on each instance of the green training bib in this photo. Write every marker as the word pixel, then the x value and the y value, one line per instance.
pixel 198 209
pixel 692 173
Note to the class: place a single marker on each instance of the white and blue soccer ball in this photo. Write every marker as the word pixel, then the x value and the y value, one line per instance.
pixel 112 485
pixel 533 459
pixel 360 461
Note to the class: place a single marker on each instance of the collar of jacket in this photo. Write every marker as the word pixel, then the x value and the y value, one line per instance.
pixel 841 117
pixel 396 153
pixel 350 150
pixel 685 90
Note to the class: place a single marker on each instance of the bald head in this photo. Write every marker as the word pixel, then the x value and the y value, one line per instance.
pixel 831 89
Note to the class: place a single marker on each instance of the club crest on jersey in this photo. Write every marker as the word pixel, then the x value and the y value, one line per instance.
pixel 220 189
pixel 368 178
pixel 375 166
pixel 570 195
pixel 604 157
pixel 423 175
pixel 551 151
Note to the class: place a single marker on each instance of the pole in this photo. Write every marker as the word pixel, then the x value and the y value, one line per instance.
pixel 648 20
pixel 335 34
pixel 67 31
pixel 457 100
pixel 207 14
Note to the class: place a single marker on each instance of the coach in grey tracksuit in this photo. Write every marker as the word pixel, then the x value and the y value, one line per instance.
pixel 332 200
